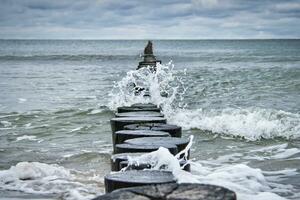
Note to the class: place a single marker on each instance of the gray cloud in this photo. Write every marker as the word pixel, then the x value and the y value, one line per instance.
pixel 156 19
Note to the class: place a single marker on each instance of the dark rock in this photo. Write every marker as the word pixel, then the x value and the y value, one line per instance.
pixel 175 131
pixel 132 148
pixel 134 178
pixel 171 191
pixel 140 114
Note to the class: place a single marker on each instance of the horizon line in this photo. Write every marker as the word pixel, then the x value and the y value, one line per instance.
pixel 107 39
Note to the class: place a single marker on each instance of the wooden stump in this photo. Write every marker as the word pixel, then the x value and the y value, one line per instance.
pixel 175 131
pixel 132 148
pixel 121 136
pixel 137 109
pixel 144 105
pixel 118 123
pixel 181 143
pixel 171 191
pixel 141 166
pixel 136 178
pixel 140 114
pixel 116 159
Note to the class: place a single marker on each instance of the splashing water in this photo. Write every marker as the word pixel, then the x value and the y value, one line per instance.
pixel 163 86
pixel 249 123
pixel 45 179
pixel 247 182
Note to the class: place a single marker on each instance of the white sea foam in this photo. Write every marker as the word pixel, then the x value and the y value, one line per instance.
pixel 22 100
pixel 41 178
pixel 248 183
pixel 162 82
pixel 249 123
pixel 6 123
pixel 27 137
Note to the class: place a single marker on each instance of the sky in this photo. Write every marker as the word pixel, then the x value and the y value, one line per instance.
pixel 149 19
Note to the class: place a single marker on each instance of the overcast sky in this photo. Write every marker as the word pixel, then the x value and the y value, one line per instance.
pixel 149 19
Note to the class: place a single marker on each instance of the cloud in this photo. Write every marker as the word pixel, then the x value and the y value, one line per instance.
pixel 135 19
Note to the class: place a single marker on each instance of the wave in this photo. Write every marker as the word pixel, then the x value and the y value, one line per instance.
pixel 70 57
pixel 249 123
pixel 247 182
pixel 40 178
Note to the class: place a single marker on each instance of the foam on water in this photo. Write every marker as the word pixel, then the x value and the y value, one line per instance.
pixel 251 123
pixel 26 137
pixel 248 183
pixel 163 82
pixel 41 178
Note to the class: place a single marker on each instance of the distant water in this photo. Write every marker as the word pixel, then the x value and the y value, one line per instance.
pixel 239 98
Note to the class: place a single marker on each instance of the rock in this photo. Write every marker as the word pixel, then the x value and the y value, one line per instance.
pixel 171 191
pixel 132 148
pixel 118 123
pixel 140 114
pixel 175 131
pixel 136 178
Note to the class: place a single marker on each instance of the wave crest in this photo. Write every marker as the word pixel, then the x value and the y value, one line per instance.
pixel 249 123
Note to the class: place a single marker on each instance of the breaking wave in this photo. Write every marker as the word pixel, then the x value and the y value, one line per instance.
pixel 248 123
pixel 248 183
pixel 167 90
pixel 41 178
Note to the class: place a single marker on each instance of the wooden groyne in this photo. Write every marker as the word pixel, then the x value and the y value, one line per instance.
pixel 142 128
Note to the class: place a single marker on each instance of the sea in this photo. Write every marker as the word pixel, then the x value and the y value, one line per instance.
pixel 239 99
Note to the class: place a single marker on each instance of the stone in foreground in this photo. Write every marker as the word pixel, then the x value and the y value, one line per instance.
pixel 134 178
pixel 172 191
